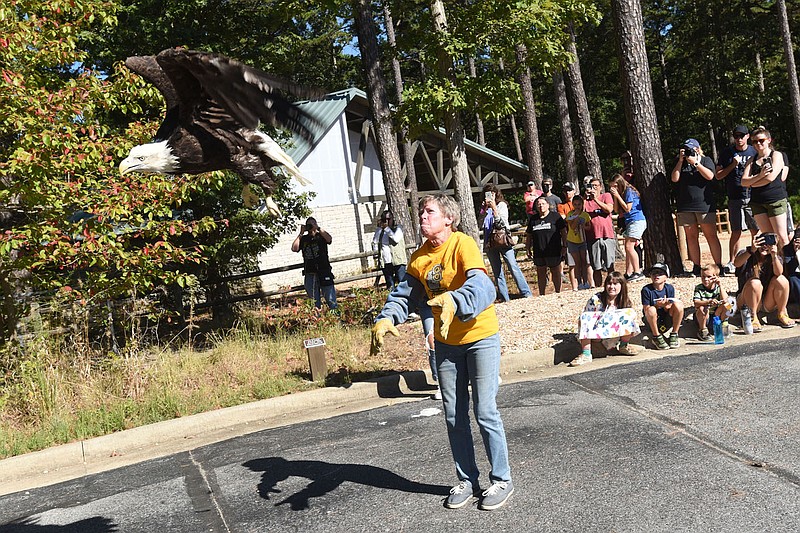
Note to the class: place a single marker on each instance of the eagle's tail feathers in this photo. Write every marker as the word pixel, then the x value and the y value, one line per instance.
pixel 272 150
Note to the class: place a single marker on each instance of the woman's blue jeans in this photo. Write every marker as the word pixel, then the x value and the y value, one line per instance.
pixel 478 364
pixel 496 256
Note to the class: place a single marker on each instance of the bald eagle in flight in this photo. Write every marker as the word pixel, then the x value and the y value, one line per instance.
pixel 214 106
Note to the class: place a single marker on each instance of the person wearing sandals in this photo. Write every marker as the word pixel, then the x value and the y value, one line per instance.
pixel 762 285
pixel 609 318
pixel 449 274
pixel 661 309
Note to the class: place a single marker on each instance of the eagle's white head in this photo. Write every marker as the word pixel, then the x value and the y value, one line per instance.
pixel 151 158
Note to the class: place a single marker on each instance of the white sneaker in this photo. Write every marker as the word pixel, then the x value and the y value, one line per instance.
pixel 438 394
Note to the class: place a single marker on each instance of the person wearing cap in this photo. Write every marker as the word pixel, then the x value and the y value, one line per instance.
pixel 661 309
pixel 566 205
pixel 529 197
pixel 768 198
pixel 696 205
pixel 389 243
pixel 313 242
pixel 730 168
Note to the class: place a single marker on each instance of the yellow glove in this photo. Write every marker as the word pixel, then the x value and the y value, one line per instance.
pixel 381 328
pixel 448 305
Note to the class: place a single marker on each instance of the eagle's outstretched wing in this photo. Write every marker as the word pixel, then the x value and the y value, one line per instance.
pixel 230 94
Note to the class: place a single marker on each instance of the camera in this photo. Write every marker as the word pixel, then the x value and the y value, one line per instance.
pixel 769 239
pixel 688 151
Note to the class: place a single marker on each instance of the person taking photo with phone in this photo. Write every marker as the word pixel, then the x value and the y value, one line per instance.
pixel 762 285
pixel 762 175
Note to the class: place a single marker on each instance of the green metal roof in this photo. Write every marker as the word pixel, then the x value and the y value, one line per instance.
pixel 331 106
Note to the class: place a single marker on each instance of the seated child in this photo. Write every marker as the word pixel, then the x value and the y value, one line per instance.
pixel 608 317
pixel 661 308
pixel 709 300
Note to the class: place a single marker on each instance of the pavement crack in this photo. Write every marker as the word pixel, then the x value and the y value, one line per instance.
pixel 678 428
pixel 200 492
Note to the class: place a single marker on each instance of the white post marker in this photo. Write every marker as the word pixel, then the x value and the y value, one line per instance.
pixel 316 358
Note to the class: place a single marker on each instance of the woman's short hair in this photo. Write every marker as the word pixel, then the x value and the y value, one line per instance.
pixel 446 204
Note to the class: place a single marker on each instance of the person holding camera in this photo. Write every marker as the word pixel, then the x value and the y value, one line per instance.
pixel 730 168
pixel 791 266
pixel 762 285
pixel 600 235
pixel 694 174
pixel 313 242
pixel 762 175
pixel 495 210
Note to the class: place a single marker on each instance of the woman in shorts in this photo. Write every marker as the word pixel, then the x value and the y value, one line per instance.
pixel 767 193
pixel 628 204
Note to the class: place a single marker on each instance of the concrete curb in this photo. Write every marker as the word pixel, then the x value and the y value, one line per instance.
pixel 70 461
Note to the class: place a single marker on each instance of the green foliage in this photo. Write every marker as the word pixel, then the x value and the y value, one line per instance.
pixel 487 32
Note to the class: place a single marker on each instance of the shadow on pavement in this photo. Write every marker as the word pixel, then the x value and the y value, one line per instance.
pixel 95 524
pixel 326 477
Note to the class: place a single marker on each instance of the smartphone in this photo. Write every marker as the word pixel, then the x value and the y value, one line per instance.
pixel 489 195
pixel 769 239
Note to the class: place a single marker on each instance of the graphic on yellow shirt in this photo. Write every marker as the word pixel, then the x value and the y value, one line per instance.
pixel 444 268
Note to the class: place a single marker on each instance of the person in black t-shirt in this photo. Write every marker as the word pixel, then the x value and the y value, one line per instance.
pixel 694 174
pixel 546 243
pixel 313 242
pixel 730 168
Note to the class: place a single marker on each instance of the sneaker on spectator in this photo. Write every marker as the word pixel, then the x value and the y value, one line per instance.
pixel 496 496
pixel 674 342
pixel 703 335
pixel 438 394
pixel 660 342
pixel 636 276
pixel 460 495
pixel 729 268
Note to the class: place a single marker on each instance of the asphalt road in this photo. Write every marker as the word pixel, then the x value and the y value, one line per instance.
pixel 706 442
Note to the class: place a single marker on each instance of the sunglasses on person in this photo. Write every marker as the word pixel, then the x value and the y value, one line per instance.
pixel 739 135
pixel 760 141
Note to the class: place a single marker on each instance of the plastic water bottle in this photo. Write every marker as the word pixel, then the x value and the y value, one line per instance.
pixel 747 320
pixel 719 336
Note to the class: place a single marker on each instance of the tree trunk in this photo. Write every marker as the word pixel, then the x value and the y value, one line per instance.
pixel 481 138
pixel 411 237
pixel 385 137
pixel 649 173
pixel 794 90
pixel 532 148
pixel 568 147
pixel 760 70
pixel 584 120
pixel 712 139
pixel 665 84
pixel 513 123
pixel 455 135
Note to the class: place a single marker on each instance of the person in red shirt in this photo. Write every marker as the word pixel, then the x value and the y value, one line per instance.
pixel 600 233
pixel 530 196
